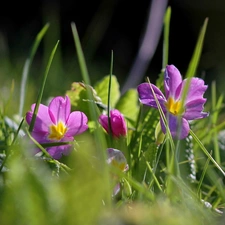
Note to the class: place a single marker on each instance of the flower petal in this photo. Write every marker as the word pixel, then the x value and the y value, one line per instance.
pixel 40 137
pixel 118 124
pixel 76 123
pixel 42 121
pixel 103 120
pixel 57 151
pixel 196 89
pixel 29 117
pixel 117 159
pixel 146 96
pixel 59 109
pixel 172 80
pixel 193 109
pixel 116 189
pixel 179 127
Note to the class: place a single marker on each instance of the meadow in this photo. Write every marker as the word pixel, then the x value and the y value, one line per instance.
pixel 87 153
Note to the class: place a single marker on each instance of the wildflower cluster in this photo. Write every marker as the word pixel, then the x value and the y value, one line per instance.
pixel 56 123
pixel 144 151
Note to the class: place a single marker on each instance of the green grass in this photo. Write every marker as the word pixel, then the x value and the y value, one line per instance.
pixel 175 182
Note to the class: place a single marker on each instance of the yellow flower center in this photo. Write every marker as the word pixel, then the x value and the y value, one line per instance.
pixel 58 131
pixel 119 165
pixel 173 107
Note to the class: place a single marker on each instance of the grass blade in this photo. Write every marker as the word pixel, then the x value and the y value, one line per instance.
pixel 166 37
pixel 197 52
pixel 42 88
pixel 206 152
pixel 27 65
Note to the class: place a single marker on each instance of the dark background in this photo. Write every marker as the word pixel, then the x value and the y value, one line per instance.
pixel 119 26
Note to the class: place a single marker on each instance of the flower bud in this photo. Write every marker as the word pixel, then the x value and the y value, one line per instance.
pixel 117 122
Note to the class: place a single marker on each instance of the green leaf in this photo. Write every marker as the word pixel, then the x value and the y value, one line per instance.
pixel 145 133
pixel 128 106
pixel 77 94
pixel 79 97
pixel 147 155
pixel 27 65
pixel 206 152
pixel 40 94
pixel 166 37
pixel 101 88
pixel 197 52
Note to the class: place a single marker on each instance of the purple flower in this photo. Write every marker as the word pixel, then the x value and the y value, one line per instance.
pixel 177 111
pixel 117 159
pixel 117 121
pixel 56 123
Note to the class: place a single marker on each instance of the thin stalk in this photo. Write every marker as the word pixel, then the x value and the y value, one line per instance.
pixel 42 88
pixel 153 175
pixel 166 37
pixel 214 120
pixel 98 135
pixel 202 176
pixel 206 152
pixel 27 65
pixel 109 94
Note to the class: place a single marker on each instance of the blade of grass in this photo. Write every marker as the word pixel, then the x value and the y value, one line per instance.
pixel 64 167
pixel 215 180
pixel 109 93
pixel 135 184
pixel 39 146
pixel 202 176
pixel 81 58
pixel 173 167
pixel 100 140
pixel 27 65
pixel 13 141
pixel 154 177
pixel 216 107
pixel 197 52
pixel 98 135
pixel 162 116
pixel 42 88
pixel 166 37
pixel 206 152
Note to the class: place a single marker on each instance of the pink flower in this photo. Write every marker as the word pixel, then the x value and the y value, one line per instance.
pixel 178 111
pixel 56 123
pixel 117 121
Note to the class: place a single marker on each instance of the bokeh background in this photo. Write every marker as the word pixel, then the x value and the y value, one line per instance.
pixel 104 26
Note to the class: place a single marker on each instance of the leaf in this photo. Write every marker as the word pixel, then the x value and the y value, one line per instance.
pixel 166 32
pixel 206 152
pixel 27 65
pixel 147 155
pixel 101 88
pixel 41 91
pixel 79 97
pixel 128 105
pixel 197 52
pixel 144 135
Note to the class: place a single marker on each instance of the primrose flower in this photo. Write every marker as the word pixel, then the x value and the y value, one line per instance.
pixel 56 123
pixel 177 110
pixel 117 121
pixel 117 159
